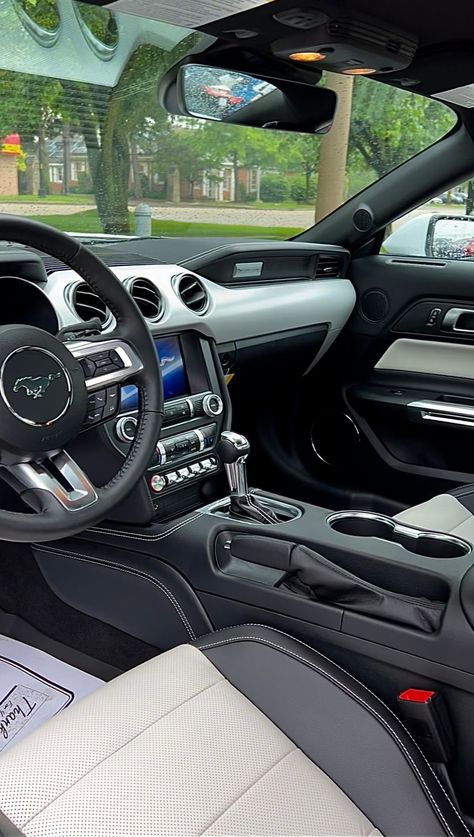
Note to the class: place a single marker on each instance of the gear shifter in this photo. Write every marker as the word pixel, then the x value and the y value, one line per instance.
pixel 233 450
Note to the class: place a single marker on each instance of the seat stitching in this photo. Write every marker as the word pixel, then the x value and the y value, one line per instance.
pixel 249 788
pixel 144 537
pixel 122 746
pixel 363 686
pixel 359 699
pixel 370 692
pixel 75 556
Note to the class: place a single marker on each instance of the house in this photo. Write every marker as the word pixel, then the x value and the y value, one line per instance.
pixel 78 175
pixel 220 185
pixel 69 171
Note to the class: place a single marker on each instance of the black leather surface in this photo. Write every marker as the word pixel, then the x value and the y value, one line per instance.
pixel 465 495
pixel 331 583
pixel 146 599
pixel 341 726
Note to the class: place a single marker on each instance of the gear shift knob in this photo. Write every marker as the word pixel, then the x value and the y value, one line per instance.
pixel 233 449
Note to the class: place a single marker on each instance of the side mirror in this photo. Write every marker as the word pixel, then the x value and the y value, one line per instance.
pixel 433 235
pixel 237 98
pixel 450 237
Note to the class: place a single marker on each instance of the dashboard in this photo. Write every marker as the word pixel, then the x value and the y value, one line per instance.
pixel 244 299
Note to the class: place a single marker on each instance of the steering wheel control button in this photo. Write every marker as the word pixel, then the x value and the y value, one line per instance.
pixel 35 386
pixel 88 367
pixel 112 402
pixel 101 363
pixel 97 400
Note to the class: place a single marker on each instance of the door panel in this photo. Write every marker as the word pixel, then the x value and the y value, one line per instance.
pixel 429 357
pixel 347 437
pixel 352 437
pixel 410 390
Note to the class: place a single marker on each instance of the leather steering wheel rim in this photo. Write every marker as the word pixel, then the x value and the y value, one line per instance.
pixel 50 520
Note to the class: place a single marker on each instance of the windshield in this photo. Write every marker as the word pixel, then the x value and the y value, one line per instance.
pixel 87 148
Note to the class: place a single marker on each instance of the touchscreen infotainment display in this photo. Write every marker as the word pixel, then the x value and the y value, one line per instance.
pixel 173 372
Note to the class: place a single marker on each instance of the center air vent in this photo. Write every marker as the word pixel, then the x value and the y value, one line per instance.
pixel 147 297
pixel 329 267
pixel 192 293
pixel 88 305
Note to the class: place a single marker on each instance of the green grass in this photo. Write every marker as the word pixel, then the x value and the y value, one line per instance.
pixel 72 200
pixel 88 222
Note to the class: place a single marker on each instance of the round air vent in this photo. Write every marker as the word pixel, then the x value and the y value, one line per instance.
pixel 363 219
pixel 374 305
pixel 88 305
pixel 147 297
pixel 192 293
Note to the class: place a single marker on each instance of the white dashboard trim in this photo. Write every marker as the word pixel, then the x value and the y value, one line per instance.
pixel 234 314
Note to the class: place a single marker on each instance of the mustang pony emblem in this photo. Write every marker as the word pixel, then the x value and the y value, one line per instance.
pixel 36 387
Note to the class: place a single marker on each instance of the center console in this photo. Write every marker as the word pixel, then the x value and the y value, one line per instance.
pixel 196 410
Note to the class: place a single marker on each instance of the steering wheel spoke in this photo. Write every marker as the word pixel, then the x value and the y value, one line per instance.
pixel 105 362
pixel 57 479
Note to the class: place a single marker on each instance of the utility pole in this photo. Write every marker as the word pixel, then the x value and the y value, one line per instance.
pixel 333 149
pixel 66 157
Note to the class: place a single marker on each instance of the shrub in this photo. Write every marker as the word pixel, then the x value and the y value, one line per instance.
pixel 84 183
pixel 298 189
pixel 274 188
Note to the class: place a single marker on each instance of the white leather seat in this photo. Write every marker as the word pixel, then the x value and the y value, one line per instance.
pixel 452 513
pixel 248 732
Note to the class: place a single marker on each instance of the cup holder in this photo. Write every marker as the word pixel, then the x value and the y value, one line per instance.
pixel 419 541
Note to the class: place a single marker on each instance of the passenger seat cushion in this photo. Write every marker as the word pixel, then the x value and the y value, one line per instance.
pixel 170 748
pixel 247 731
pixel 451 513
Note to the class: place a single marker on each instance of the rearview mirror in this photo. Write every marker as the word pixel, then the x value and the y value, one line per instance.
pixel 238 98
pixel 211 93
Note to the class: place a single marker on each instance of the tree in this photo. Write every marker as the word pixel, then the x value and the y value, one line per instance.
pixel 29 105
pixel 302 156
pixel 388 125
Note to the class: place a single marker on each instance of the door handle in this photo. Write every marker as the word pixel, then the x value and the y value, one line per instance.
pixel 452 317
pixel 443 413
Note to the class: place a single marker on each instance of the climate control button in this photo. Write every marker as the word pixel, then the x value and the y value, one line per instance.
pixel 212 405
pixel 157 483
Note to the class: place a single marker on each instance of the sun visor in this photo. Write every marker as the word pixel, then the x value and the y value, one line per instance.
pixel 187 13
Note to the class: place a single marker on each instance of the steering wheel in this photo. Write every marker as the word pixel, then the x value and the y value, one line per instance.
pixel 47 388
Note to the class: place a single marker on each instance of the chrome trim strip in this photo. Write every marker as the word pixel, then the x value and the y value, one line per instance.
pixel 444 408
pixel 452 316
pixel 444 412
pixel 85 348
pixel 202 441
pixel 34 476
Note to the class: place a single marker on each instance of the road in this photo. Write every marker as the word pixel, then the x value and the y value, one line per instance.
pixel 255 217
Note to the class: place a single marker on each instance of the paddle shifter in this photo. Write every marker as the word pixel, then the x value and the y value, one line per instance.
pixel 233 449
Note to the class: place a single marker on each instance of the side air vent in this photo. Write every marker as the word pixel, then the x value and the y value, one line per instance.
pixel 147 297
pixel 329 267
pixel 87 304
pixel 192 293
